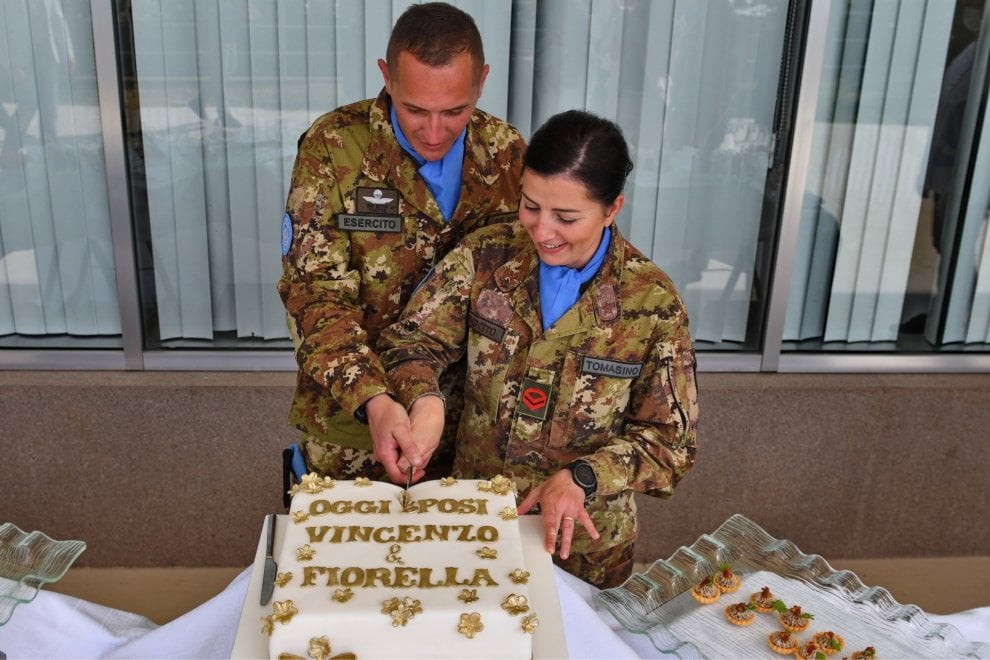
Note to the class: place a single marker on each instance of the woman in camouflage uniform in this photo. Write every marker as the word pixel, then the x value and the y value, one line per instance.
pixel 581 371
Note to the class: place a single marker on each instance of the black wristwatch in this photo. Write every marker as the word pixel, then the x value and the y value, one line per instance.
pixel 584 476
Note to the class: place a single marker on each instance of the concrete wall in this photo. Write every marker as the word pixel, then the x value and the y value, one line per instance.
pixel 178 469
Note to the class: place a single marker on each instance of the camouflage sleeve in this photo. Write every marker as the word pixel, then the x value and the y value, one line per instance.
pixel 318 288
pixel 657 445
pixel 432 330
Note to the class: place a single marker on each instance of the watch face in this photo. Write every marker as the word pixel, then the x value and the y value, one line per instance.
pixel 584 475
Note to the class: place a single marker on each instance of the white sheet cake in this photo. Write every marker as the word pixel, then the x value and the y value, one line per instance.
pixel 369 569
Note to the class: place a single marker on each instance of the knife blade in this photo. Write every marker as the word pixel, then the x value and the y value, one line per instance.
pixel 270 568
pixel 409 477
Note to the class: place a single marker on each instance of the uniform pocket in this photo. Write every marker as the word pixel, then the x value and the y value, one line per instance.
pixel 592 401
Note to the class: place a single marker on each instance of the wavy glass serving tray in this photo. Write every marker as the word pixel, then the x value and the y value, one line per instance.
pixel 28 561
pixel 658 602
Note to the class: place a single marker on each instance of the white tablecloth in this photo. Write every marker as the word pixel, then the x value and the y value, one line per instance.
pixel 58 626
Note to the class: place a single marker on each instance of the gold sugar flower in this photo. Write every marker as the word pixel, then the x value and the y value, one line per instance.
pixel 487 553
pixel 305 553
pixel 514 604
pixel 283 611
pixel 401 611
pixel 501 485
pixel 342 595
pixel 267 626
pixel 448 481
pixel 485 486
pixel 529 623
pixel 319 648
pixel 519 576
pixel 508 513
pixel 468 595
pixel 470 625
pixel 283 579
pixel 313 483
pixel 362 481
pixel 299 516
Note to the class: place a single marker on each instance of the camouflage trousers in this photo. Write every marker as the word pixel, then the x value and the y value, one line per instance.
pixel 604 569
pixel 327 459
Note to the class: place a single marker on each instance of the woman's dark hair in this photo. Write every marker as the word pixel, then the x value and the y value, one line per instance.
pixel 584 147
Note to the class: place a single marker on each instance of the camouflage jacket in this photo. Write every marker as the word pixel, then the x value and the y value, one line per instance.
pixel 361 231
pixel 612 381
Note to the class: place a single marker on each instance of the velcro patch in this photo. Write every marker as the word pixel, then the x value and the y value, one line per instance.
pixel 377 209
pixel 602 367
pixel 486 328
pixel 534 400
pixel 376 201
pixel 383 223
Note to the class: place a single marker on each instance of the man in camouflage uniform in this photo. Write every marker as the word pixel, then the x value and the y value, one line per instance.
pixel 364 224
pixel 610 384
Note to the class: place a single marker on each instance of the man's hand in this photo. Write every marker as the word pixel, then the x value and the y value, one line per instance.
pixel 391 436
pixel 426 419
pixel 561 502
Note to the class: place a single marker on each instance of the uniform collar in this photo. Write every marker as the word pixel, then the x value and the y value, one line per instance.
pixel 386 162
pixel 600 303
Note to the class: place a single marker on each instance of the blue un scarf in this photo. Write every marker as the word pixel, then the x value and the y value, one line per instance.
pixel 560 286
pixel 443 177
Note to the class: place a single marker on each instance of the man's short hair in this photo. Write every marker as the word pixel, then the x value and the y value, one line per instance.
pixel 434 33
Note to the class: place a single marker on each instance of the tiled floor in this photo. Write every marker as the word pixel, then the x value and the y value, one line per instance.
pixel 938 586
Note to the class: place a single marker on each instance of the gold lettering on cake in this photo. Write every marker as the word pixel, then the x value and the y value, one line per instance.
pixel 373 575
pixel 409 534
pixel 401 533
pixel 384 535
pixel 393 554
pixel 468 506
pixel 405 577
pixel 352 576
pixel 310 573
pixel 340 507
pixel 360 534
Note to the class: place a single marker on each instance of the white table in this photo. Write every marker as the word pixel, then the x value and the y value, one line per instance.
pixel 59 626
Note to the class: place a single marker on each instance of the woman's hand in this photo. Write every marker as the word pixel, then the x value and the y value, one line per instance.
pixel 562 503
pixel 426 418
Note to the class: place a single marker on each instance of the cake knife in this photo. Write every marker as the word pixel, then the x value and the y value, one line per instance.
pixel 268 575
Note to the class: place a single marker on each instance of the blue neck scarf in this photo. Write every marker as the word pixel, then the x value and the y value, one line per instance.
pixel 560 286
pixel 443 177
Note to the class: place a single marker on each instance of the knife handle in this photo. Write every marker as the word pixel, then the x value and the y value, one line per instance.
pixel 270 539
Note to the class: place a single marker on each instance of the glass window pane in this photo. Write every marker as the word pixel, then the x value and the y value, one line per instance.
pixel 221 91
pixel 57 276
pixel 894 202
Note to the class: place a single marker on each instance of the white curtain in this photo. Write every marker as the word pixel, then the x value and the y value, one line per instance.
pixel 960 311
pixel 56 262
pixel 877 105
pixel 694 87
pixel 226 89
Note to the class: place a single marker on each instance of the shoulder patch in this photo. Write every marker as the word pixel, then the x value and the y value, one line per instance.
pixel 286 233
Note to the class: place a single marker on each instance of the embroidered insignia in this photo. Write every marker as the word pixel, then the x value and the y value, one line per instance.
pixel 383 201
pixel 534 399
pixel 602 367
pixel 486 328
pixel 494 306
pixel 376 209
pixel 606 302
